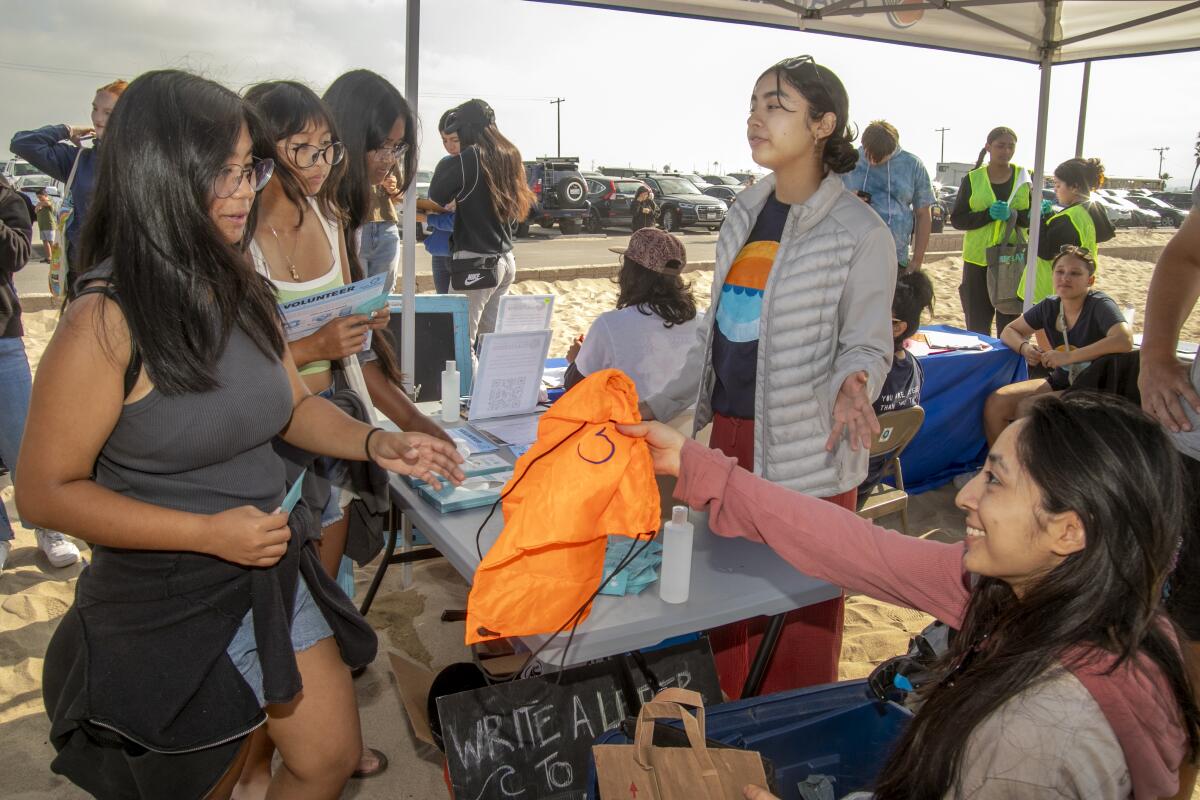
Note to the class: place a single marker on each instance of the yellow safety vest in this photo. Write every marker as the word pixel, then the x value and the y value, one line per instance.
pixel 977 241
pixel 1085 228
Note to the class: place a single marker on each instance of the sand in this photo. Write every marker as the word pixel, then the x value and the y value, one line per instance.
pixel 34 596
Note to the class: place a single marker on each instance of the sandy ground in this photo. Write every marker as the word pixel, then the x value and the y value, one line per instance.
pixel 33 595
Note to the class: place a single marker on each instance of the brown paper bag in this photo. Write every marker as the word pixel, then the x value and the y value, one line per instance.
pixel 641 771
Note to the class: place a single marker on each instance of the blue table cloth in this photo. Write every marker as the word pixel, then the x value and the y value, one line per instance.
pixel 957 383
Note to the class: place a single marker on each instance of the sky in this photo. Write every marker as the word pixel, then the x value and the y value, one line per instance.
pixel 638 89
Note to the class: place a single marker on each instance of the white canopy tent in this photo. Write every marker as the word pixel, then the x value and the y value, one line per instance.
pixel 1042 32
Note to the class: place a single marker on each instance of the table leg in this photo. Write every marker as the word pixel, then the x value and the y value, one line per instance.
pixel 762 658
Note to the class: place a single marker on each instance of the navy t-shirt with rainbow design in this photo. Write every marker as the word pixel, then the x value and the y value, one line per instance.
pixel 739 310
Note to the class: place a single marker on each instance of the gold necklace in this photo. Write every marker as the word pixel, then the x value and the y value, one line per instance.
pixel 291 266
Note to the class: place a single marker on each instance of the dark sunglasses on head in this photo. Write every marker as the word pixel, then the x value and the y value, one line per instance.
pixel 1075 250
pixel 796 62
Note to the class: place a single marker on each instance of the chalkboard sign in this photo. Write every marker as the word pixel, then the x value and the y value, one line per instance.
pixel 532 738
pixel 441 336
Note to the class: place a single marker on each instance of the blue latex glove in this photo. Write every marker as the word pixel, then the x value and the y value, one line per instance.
pixel 999 210
pixel 1047 207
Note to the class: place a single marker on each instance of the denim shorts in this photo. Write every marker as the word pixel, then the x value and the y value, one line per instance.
pixel 308 628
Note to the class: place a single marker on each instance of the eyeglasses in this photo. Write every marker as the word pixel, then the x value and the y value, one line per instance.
pixel 386 154
pixel 307 155
pixel 230 178
pixel 1075 250
pixel 796 62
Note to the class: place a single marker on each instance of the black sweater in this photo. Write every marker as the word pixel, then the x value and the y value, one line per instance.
pixel 16 235
pixel 963 218
pixel 1062 231
pixel 476 227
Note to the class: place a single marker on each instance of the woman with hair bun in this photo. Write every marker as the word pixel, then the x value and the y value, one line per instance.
pixel 1081 223
pixel 987 199
pixel 798 341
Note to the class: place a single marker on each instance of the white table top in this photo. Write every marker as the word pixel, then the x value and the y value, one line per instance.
pixel 732 579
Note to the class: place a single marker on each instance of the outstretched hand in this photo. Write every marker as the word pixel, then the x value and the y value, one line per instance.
pixel 664 441
pixel 417 454
pixel 853 414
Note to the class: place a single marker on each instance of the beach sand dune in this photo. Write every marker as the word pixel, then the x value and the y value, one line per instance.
pixel 34 596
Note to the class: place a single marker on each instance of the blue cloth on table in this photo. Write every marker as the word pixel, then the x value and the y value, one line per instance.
pixel 957 383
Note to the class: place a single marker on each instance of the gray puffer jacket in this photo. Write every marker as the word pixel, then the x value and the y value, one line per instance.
pixel 826 313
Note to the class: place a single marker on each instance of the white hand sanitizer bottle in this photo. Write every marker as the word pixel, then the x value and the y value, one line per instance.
pixel 450 392
pixel 676 579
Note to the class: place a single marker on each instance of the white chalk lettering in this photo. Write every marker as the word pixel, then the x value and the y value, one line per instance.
pixel 542 717
pixel 491 725
pixel 559 774
pixel 580 718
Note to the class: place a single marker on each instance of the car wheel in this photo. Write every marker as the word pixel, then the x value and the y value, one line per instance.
pixel 594 223
pixel 548 224
pixel 572 192
pixel 670 220
pixel 522 229
pixel 568 225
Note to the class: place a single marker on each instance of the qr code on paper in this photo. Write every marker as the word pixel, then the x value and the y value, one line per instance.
pixel 507 392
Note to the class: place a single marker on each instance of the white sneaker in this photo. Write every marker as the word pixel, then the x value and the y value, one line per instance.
pixel 58 550
pixel 5 548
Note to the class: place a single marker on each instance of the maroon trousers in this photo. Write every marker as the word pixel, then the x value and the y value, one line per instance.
pixel 811 643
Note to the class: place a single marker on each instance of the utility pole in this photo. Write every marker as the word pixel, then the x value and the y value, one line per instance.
pixel 557 103
pixel 942 131
pixel 1160 150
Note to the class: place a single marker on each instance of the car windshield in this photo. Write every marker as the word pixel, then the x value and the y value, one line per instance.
pixel 22 168
pixel 628 187
pixel 677 186
pixel 424 176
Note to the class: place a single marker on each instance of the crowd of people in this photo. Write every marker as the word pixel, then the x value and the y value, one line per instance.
pixel 209 632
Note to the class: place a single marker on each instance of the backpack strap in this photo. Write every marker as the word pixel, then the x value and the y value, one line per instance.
pixel 135 355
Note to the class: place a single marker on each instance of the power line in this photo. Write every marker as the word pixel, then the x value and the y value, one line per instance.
pixel 12 65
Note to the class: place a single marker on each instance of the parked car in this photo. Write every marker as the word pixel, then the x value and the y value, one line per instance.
pixel 681 205
pixel 612 202
pixel 1141 217
pixel 745 177
pixel 701 184
pixel 17 168
pixel 724 192
pixel 1180 200
pixel 1118 215
pixel 1170 214
pixel 561 195
pixel 722 180
pixel 626 172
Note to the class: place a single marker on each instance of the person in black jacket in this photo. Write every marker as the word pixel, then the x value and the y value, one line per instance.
pixel 16 234
pixel 645 210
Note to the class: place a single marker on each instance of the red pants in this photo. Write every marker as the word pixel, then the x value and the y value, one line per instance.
pixel 810 645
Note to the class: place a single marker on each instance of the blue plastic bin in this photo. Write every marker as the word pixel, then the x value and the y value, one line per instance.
pixel 838 730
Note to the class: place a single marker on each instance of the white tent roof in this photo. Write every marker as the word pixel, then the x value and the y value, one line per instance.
pixel 1078 30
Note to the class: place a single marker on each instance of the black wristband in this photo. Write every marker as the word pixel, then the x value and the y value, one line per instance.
pixel 367 442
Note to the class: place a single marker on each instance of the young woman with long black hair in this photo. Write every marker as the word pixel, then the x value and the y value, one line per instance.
pixel 1065 679
pixel 205 612
pixel 797 342
pixel 486 181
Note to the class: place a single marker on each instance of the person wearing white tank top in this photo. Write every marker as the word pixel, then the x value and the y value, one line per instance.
pixel 299 246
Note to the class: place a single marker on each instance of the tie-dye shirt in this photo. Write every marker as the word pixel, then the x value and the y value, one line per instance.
pixel 739 309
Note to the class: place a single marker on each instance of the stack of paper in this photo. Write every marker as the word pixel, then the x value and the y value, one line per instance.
pixel 941 340
pixel 473 467
pixel 637 574
pixel 474 492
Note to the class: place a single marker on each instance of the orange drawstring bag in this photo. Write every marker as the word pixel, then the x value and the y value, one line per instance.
pixel 581 481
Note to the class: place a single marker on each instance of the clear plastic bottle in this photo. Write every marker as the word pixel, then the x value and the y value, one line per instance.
pixel 450 392
pixel 675 581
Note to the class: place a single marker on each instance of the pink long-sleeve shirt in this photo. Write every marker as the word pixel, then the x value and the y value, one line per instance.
pixel 835 545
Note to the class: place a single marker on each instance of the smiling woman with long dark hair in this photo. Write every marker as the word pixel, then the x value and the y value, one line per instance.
pixel 205 611
pixel 1066 678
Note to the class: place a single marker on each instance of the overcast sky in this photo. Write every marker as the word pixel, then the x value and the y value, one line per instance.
pixel 639 89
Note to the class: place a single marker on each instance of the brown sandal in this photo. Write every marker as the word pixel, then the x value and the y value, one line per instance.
pixel 371 773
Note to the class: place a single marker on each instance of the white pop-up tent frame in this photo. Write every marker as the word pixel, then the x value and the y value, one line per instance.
pixel 1041 32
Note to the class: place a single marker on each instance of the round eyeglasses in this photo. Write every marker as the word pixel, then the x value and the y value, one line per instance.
pixel 230 178
pixel 388 154
pixel 307 155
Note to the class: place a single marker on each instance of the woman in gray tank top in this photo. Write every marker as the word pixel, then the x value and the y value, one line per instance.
pixel 172 369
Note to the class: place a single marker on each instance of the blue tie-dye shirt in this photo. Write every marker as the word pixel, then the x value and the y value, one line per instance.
pixel 898 187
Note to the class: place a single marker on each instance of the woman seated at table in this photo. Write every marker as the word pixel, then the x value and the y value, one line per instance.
pixel 902 386
pixel 1080 323
pixel 1066 678
pixel 654 322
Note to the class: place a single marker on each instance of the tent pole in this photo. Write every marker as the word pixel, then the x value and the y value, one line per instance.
pixel 1035 195
pixel 1083 103
pixel 408 283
